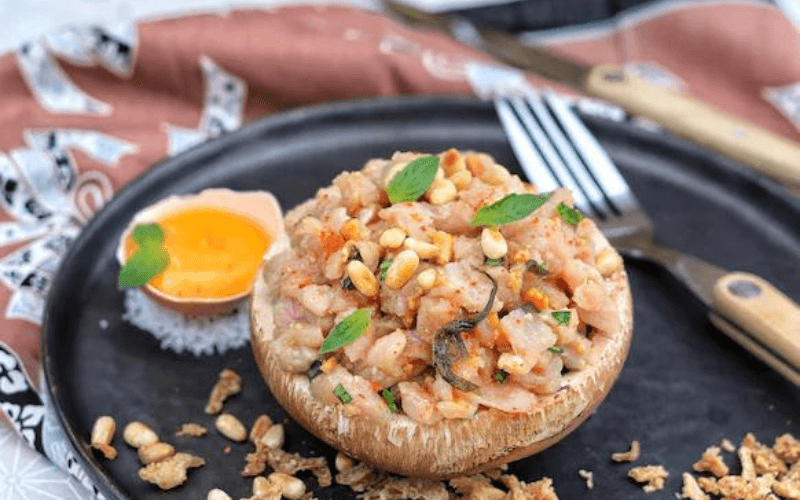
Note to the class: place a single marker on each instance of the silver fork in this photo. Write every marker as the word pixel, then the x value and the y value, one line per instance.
pixel 555 149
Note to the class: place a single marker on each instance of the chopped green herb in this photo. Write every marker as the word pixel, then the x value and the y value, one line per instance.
pixel 562 317
pixel 347 330
pixel 501 375
pixel 389 397
pixel 150 260
pixel 493 262
pixel 384 268
pixel 510 209
pixel 538 267
pixel 412 182
pixel 340 392
pixel 555 349
pixel 570 215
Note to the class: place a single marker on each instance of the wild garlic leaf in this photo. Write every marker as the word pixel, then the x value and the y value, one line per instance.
pixel 147 263
pixel 150 259
pixel 510 209
pixel 347 330
pixel 412 182
pixel 569 214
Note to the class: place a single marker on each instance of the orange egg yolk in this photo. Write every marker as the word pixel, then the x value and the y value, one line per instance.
pixel 213 253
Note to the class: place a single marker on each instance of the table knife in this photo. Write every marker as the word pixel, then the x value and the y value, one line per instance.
pixel 678 112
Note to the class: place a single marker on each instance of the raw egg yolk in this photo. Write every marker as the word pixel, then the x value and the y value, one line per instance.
pixel 213 253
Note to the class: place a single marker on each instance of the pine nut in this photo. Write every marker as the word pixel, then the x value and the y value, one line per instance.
pixel 427 278
pixel 608 261
pixel 392 238
pixel 274 437
pixel 495 175
pixel 442 191
pixel 403 266
pixel 461 179
pixel 102 435
pixel 453 161
pixel 363 279
pixel 291 487
pixel 423 249
pixel 230 427
pixel 444 242
pixel 493 244
pixel 343 462
pixel 155 452
pixel 218 494
pixel 260 427
pixel 137 434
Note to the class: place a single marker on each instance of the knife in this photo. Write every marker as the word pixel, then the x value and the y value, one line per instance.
pixel 678 112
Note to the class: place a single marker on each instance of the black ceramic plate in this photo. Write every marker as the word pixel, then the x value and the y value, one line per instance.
pixel 684 387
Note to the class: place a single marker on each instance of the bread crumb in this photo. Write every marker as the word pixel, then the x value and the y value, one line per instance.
pixel 787 448
pixel 627 456
pixel 171 472
pixel 691 489
pixel 653 477
pixel 228 384
pixel 191 429
pixel 408 488
pixel 538 490
pixel 711 461
pixel 587 476
pixel 477 486
pixel 727 445
pixel 764 459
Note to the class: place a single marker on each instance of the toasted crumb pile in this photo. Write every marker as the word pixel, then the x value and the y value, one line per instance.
pixel 653 477
pixel 766 473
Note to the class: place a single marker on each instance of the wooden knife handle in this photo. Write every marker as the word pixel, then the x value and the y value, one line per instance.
pixel 766 314
pixel 685 116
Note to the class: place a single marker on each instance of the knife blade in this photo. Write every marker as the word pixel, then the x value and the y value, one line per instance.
pixel 763 151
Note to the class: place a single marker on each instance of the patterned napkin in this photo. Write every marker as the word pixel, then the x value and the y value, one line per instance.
pixel 85 109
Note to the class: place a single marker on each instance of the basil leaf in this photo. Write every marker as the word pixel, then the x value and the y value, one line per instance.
pixel 510 209
pixel 412 182
pixel 493 262
pixel 150 260
pixel 146 234
pixel 570 215
pixel 501 375
pixel 562 317
pixel 389 397
pixel 347 330
pixel 342 394
pixel 555 349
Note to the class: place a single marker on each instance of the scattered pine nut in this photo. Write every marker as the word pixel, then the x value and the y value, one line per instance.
pixel 231 427
pixel 102 435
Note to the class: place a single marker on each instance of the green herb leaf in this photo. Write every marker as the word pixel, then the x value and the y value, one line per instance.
pixel 412 182
pixel 570 215
pixel 384 268
pixel 147 234
pixel 493 262
pixel 150 260
pixel 500 376
pixel 347 330
pixel 555 349
pixel 510 209
pixel 562 317
pixel 342 394
pixel 389 397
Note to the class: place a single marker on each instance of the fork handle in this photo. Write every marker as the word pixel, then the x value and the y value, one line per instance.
pixel 697 121
pixel 760 309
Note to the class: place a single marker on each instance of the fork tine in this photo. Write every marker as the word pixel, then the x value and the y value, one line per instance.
pixel 551 157
pixel 601 169
pixel 523 148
